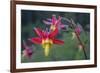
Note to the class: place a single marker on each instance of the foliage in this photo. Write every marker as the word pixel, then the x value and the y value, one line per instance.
pixel 69 50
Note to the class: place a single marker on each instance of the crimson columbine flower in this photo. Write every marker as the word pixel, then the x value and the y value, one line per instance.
pixel 46 39
pixel 27 52
pixel 78 30
pixel 55 23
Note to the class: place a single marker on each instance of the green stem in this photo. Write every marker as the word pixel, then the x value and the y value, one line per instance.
pixel 78 37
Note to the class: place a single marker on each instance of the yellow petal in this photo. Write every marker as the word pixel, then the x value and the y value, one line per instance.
pixel 47 44
pixel 46 50
pixel 80 47
pixel 52 27
pixel 73 35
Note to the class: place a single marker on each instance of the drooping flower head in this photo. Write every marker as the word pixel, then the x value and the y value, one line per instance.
pixel 46 39
pixel 27 52
pixel 80 47
pixel 78 30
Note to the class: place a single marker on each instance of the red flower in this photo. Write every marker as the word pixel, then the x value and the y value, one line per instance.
pixel 46 39
pixel 55 23
pixel 27 52
pixel 78 30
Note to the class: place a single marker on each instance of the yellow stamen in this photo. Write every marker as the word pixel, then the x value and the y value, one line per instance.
pixel 73 35
pixel 46 50
pixel 53 27
pixel 47 44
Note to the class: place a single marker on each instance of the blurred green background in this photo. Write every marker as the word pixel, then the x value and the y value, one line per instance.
pixel 68 51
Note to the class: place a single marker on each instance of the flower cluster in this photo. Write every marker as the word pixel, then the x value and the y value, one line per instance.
pixel 48 38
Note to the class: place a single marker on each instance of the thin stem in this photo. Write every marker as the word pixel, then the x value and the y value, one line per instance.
pixel 78 37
